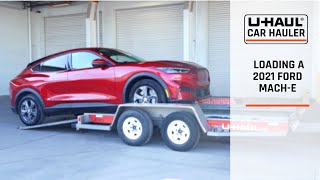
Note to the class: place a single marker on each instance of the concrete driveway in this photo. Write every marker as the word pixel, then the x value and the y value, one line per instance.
pixel 63 153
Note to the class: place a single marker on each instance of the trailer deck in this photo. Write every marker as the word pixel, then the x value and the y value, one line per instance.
pixel 188 120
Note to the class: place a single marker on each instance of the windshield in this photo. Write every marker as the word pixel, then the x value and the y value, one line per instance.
pixel 120 56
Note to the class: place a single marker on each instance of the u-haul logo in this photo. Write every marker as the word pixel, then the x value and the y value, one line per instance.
pixel 276 28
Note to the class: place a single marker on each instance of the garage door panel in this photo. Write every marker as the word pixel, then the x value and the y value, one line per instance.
pixel 65 32
pixel 67 29
pixel 65 20
pixel 219 47
pixel 151 32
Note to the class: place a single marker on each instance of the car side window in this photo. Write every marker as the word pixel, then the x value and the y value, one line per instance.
pixel 81 60
pixel 36 68
pixel 58 63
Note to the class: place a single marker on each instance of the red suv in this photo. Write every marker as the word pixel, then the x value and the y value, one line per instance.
pixel 98 79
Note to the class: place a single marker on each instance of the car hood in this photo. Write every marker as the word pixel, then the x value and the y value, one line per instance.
pixel 175 64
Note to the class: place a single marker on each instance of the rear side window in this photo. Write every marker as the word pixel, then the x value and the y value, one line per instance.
pixel 81 60
pixel 36 68
pixel 55 64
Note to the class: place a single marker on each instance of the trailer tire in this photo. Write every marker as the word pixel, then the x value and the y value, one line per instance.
pixel 135 127
pixel 180 131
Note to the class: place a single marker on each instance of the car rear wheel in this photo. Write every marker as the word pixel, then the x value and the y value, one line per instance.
pixel 147 91
pixel 30 110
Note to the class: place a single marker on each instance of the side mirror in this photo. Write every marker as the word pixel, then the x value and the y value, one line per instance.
pixel 99 63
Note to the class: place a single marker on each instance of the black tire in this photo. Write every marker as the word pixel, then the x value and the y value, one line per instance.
pixel 152 84
pixel 190 121
pixel 38 117
pixel 146 127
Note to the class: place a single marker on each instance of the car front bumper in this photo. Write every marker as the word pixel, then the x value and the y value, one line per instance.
pixel 185 94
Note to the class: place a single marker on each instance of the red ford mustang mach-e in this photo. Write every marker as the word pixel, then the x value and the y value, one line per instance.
pixel 98 79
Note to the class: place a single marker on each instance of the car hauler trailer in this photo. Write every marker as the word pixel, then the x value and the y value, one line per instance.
pixel 182 125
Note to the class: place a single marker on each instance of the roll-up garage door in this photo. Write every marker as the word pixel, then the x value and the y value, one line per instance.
pixel 65 32
pixel 152 33
pixel 219 47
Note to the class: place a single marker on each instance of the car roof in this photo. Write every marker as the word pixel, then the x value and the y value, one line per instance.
pixel 77 49
pixel 82 49
pixel 66 51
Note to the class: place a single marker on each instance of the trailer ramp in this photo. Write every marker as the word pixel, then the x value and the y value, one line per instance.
pixel 71 121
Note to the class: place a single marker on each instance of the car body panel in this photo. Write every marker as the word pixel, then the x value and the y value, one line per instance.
pixel 51 86
pixel 91 85
pixel 110 84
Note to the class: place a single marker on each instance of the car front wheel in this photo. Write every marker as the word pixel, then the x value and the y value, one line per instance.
pixel 147 91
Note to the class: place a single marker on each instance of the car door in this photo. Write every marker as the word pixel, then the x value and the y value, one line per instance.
pixel 89 84
pixel 51 78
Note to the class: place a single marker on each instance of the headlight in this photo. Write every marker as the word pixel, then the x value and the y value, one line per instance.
pixel 174 70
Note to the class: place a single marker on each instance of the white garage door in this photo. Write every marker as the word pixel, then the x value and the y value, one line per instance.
pixel 219 47
pixel 13 45
pixel 152 33
pixel 65 32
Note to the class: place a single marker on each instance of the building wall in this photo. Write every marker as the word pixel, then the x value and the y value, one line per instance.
pixel 195 25
pixel 198 25
pixel 108 13
pixel 107 10
pixel 197 28
pixel 74 8
pixel 37 20
pixel 13 44
pixel 197 42
pixel 38 41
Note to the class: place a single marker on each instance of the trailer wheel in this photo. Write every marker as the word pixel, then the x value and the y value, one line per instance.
pixel 180 131
pixel 135 127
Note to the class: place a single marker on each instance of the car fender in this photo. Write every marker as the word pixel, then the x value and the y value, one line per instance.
pixel 30 91
pixel 144 74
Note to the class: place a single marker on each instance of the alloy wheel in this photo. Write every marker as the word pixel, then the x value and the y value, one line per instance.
pixel 28 110
pixel 145 94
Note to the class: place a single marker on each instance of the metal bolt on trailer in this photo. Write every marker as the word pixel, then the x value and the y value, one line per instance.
pixel 181 125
